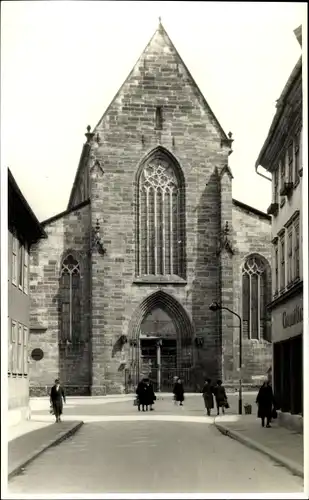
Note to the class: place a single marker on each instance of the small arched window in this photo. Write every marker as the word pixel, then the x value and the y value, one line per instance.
pixel 70 297
pixel 160 218
pixel 254 298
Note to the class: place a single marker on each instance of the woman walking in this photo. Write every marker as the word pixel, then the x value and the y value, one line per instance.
pixel 265 402
pixel 179 392
pixel 208 396
pixel 150 395
pixel 57 397
pixel 221 397
pixel 141 393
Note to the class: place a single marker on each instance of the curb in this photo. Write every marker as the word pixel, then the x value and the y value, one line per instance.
pixel 64 435
pixel 293 467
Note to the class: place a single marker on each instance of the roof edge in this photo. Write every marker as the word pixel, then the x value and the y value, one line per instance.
pixel 85 150
pixel 161 29
pixel 17 190
pixel 248 208
pixel 280 110
pixel 65 212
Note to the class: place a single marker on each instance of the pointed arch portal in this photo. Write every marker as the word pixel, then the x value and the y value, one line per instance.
pixel 161 341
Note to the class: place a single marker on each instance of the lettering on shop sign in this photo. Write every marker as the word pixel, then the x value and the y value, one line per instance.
pixel 292 318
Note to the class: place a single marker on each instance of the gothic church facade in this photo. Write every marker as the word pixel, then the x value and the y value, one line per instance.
pixel 121 286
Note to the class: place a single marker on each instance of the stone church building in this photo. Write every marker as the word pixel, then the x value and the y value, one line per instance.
pixel 121 286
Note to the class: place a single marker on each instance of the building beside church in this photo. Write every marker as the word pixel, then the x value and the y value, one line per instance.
pixel 122 285
pixel 282 156
pixel 23 230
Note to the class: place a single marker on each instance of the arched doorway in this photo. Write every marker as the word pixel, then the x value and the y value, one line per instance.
pixel 161 342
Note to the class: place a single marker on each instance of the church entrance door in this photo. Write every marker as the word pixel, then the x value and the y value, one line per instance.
pixel 159 361
pixel 160 340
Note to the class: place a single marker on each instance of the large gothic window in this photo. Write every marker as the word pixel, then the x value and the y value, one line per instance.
pixel 160 218
pixel 70 298
pixel 254 298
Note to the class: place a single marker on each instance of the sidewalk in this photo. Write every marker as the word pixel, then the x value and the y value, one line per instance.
pixel 282 445
pixel 34 440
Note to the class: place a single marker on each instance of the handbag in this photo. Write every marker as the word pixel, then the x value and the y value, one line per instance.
pixel 274 413
pixel 136 402
pixel 51 410
pixel 226 405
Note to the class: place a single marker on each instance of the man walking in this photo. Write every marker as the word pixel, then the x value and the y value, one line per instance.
pixel 57 397
pixel 208 396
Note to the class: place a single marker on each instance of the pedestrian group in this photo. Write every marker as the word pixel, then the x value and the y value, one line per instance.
pixel 217 392
pixel 145 398
pixel 145 395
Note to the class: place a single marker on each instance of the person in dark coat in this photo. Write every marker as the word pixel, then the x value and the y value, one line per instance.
pixel 57 397
pixel 265 402
pixel 179 392
pixel 208 396
pixel 141 393
pixel 220 396
pixel 150 395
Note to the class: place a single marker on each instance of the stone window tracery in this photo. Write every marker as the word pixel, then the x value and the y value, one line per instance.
pixel 160 219
pixel 254 298
pixel 70 295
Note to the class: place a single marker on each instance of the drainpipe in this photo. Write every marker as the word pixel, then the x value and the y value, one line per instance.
pixel 262 175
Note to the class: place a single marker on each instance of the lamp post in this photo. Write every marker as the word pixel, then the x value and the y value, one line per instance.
pixel 159 344
pixel 216 307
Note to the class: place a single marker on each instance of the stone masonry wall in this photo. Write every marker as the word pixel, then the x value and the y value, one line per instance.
pixel 252 235
pixel 226 278
pixel 69 234
pixel 127 133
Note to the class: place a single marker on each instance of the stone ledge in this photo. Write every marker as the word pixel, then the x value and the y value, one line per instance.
pixel 159 280
pixel 70 390
pixel 292 466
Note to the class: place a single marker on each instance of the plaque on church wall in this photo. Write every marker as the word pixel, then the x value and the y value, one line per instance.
pixel 37 354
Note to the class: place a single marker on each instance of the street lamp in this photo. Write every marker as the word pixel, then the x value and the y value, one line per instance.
pixel 216 307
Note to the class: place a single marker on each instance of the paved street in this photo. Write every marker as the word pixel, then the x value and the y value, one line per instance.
pixel 170 450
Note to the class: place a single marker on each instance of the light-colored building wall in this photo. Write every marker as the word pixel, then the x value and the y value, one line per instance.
pixel 18 329
pixel 23 230
pixel 281 155
pixel 289 213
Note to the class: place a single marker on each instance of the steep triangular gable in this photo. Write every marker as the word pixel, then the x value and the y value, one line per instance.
pixel 159 35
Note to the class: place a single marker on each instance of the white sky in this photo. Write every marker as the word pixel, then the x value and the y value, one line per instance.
pixel 63 62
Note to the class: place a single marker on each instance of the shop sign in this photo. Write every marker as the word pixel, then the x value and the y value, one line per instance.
pixel 292 318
